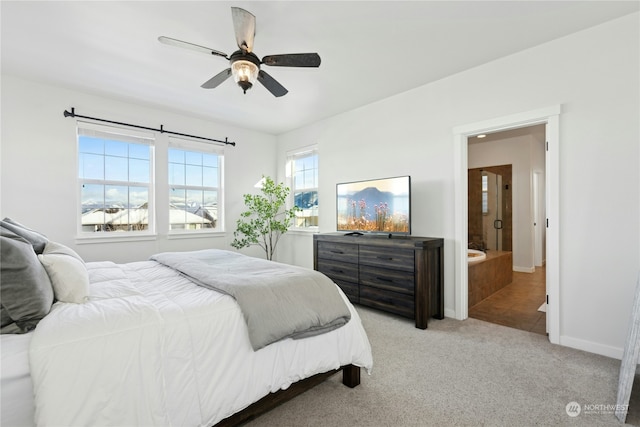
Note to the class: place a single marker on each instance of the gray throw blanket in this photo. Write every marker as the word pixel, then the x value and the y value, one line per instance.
pixel 277 300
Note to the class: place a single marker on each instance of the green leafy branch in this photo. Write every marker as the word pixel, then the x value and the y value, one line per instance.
pixel 265 220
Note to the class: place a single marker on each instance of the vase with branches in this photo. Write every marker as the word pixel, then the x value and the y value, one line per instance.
pixel 266 218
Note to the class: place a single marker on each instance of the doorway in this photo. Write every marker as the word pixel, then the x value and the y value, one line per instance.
pixel 549 116
pixel 509 289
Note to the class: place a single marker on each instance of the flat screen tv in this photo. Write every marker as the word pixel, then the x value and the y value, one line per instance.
pixel 375 206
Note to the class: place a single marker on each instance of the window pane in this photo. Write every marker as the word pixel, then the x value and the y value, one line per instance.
pixel 193 158
pixel 116 168
pixel 116 196
pixel 91 166
pixel 114 208
pixel 210 160
pixel 91 197
pixel 307 163
pixel 176 156
pixel 87 144
pixel 309 179
pixel 306 199
pixel 178 198
pixel 138 197
pixel 139 151
pixel 210 177
pixel 189 210
pixel 194 200
pixel 177 209
pixel 308 202
pixel 210 205
pixel 116 148
pixel 176 174
pixel 194 175
pixel 138 170
pixel 298 179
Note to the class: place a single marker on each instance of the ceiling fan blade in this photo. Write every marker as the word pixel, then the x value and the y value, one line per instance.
pixel 187 45
pixel 271 84
pixel 244 24
pixel 216 80
pixel 292 60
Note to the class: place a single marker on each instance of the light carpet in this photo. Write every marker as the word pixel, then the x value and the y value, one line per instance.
pixel 460 373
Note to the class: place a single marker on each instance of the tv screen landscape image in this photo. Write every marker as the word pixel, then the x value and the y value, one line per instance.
pixel 375 206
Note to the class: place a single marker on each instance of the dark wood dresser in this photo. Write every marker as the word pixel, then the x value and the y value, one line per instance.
pixel 401 274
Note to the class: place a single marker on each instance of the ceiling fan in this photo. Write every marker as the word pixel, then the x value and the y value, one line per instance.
pixel 245 65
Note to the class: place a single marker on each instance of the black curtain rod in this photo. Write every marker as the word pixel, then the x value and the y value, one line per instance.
pixel 161 130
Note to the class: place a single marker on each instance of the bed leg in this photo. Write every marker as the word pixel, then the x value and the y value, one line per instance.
pixel 351 375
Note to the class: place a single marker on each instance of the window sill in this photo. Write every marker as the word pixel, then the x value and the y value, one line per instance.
pixel 303 231
pixel 114 238
pixel 195 235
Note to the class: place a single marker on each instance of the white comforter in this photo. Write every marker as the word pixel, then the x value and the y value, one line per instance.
pixel 152 348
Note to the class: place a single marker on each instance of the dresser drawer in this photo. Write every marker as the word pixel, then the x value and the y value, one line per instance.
pixel 351 290
pixel 344 252
pixel 383 278
pixel 337 270
pixel 397 259
pixel 392 302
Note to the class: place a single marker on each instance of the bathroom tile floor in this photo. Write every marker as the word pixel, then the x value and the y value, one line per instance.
pixel 516 305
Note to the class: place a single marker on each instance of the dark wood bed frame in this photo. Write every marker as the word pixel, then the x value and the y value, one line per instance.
pixel 350 378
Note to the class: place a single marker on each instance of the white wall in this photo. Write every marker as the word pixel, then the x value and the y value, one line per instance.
pixel 39 167
pixel 593 74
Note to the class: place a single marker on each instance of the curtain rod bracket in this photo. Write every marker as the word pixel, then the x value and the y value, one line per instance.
pixel 161 130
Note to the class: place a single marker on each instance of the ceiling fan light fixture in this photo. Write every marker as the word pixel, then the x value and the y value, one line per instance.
pixel 245 65
pixel 245 73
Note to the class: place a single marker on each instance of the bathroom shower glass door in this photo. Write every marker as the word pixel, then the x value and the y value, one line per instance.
pixel 492 210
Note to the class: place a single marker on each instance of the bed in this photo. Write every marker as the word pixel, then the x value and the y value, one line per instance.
pixel 151 344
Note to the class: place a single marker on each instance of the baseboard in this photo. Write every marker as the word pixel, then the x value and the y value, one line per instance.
pixel 592 347
pixel 524 269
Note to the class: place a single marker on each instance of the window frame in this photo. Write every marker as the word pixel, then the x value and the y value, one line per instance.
pixel 129 136
pixel 291 157
pixel 186 144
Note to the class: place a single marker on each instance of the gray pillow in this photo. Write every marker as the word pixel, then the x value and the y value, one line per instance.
pixel 37 240
pixel 26 294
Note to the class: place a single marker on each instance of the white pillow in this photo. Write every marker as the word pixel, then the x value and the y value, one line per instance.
pixel 59 248
pixel 68 276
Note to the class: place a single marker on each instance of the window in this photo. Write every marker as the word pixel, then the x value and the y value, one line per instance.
pixel 302 173
pixel 115 175
pixel 195 172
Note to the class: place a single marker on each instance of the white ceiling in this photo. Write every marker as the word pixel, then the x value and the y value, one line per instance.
pixel 370 50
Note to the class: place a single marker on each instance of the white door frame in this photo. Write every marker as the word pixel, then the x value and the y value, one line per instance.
pixel 550 116
pixel 538 222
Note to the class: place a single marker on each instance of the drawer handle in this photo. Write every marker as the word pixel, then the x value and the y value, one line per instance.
pixel 336 270
pixel 384 279
pixel 385 257
pixel 336 252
